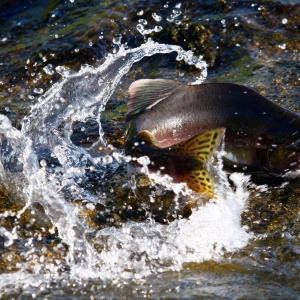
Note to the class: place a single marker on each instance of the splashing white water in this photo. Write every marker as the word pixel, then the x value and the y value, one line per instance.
pixel 137 249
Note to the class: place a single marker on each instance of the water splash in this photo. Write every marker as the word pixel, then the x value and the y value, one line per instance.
pixel 21 169
pixel 45 162
pixel 140 250
pixel 85 94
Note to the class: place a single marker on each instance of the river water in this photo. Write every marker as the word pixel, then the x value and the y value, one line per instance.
pixel 75 221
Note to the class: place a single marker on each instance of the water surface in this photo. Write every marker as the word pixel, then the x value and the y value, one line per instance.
pixel 74 223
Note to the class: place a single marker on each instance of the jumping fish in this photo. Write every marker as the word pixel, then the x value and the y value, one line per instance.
pixel 179 127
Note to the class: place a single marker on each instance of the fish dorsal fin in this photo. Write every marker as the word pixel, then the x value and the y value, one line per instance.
pixel 147 136
pixel 146 93
pixel 200 148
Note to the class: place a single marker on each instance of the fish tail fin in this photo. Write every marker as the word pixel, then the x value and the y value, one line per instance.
pixel 200 148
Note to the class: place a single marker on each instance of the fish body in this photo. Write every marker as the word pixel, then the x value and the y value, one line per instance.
pixel 259 136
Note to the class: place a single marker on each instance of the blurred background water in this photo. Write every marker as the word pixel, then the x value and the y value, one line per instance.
pixel 134 245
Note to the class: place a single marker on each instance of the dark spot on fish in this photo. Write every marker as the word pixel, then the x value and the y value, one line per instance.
pixel 203 142
pixel 203 147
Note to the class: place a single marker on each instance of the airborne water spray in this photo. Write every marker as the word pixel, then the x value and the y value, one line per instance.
pixel 137 249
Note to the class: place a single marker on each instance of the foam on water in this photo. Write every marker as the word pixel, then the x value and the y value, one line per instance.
pixel 137 249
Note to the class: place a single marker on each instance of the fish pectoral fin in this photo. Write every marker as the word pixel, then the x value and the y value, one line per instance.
pixel 202 146
pixel 199 181
pixel 147 137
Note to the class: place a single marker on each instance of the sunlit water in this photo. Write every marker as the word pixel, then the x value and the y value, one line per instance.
pixel 136 250
pixel 47 176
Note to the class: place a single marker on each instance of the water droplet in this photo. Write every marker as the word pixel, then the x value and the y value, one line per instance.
pixel 48 69
pixel 140 28
pixel 156 17
pixel 117 40
pixel 63 71
pixel 143 21
pixel 127 158
pixel 158 28
pixel 107 159
pixel 283 46
pixel 38 90
pixel 284 21
pixel 90 206
pixel 43 163
pixel 144 160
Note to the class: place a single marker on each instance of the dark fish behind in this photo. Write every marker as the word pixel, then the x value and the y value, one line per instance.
pixel 260 136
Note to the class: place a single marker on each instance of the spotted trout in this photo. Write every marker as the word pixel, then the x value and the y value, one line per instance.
pixel 179 127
